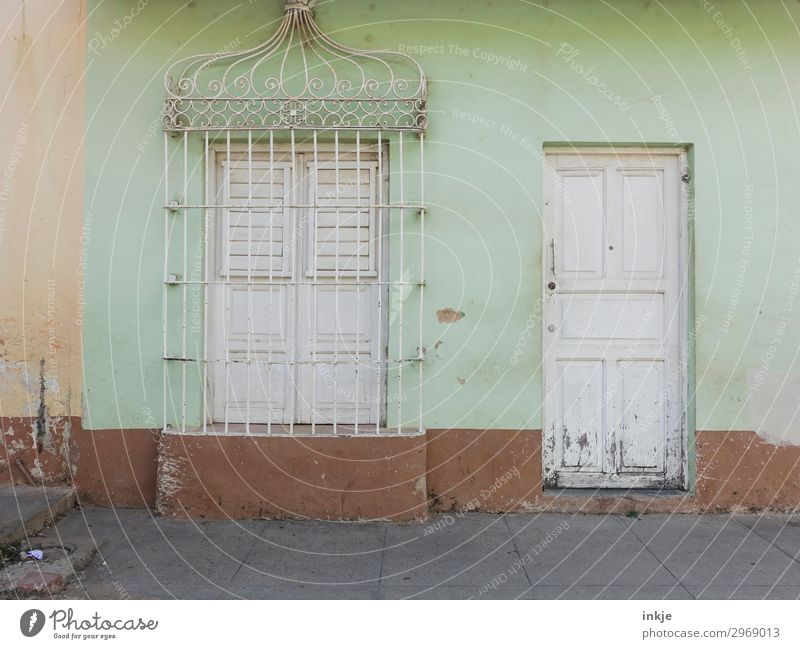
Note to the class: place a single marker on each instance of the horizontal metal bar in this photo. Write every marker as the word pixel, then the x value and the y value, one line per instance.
pixel 276 429
pixel 278 282
pixel 296 206
pixel 284 127
pixel 252 361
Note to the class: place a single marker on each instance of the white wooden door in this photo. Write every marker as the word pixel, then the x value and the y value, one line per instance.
pixel 614 319
pixel 302 279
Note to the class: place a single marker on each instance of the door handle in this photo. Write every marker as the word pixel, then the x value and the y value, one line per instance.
pixel 553 256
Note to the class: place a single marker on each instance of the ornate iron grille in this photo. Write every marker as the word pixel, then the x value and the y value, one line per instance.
pixel 294 224
pixel 298 78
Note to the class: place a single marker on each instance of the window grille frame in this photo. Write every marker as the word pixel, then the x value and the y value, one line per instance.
pixel 393 131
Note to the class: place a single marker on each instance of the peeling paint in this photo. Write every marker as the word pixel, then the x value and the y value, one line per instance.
pixel 41 426
pixel 449 315
pixel 23 376
pixel 170 474
pixel 773 407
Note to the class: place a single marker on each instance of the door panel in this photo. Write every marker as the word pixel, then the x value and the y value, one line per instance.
pixel 580 409
pixel 643 223
pixel 582 224
pixel 642 426
pixel 613 322
pixel 611 316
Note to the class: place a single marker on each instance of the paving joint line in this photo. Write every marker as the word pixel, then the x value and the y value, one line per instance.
pixel 250 551
pixel 753 530
pixel 383 556
pixel 677 579
pixel 513 538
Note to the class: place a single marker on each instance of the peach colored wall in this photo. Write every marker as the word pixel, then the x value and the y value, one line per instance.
pixel 41 221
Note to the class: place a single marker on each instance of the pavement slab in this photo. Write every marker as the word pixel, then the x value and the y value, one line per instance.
pixel 715 551
pixel 577 549
pixel 469 550
pixel 308 553
pixel 469 556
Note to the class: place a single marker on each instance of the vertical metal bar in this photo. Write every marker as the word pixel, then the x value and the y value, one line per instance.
pixel 358 268
pixel 206 279
pixel 313 216
pixel 270 288
pixel 336 286
pixel 249 274
pixel 164 314
pixel 379 266
pixel 400 298
pixel 229 285
pixel 185 214
pixel 295 372
pixel 421 267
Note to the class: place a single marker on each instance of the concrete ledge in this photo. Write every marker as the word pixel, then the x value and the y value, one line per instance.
pixel 63 558
pixel 326 478
pixel 26 510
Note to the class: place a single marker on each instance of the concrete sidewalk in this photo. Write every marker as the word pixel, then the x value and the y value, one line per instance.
pixel 544 556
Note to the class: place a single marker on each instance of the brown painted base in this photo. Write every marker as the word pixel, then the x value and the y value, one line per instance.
pixel 394 478
pixel 736 470
pixel 106 467
pixel 326 477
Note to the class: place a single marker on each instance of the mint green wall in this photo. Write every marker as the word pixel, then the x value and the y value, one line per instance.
pixel 488 124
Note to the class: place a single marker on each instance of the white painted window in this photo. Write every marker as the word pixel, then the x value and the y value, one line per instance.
pixel 297 328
